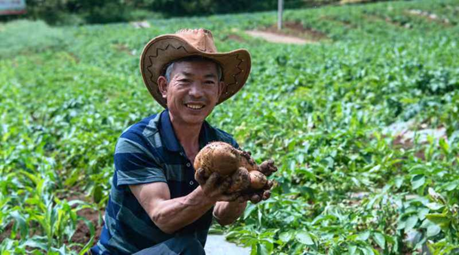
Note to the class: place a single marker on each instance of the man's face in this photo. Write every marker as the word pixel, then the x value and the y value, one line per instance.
pixel 192 92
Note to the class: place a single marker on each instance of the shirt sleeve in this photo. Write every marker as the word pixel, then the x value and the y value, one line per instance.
pixel 135 164
pixel 234 143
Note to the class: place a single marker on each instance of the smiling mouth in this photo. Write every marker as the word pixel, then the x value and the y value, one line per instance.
pixel 194 106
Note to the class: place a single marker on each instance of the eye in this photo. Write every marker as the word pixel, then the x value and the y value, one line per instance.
pixel 184 81
pixel 209 82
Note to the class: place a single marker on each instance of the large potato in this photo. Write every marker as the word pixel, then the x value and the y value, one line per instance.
pixel 217 157
pixel 226 160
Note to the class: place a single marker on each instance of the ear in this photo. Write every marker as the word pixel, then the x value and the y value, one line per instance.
pixel 162 86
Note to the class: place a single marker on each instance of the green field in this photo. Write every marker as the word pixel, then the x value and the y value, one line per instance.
pixel 327 113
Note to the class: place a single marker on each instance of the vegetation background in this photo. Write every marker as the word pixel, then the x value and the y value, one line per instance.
pixel 363 122
pixel 71 12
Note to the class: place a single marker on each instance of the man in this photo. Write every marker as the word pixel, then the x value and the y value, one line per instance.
pixel 156 206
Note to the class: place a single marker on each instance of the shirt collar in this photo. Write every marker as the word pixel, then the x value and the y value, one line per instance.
pixel 170 139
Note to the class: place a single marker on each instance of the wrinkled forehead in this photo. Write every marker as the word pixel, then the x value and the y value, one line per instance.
pixel 194 66
pixel 191 65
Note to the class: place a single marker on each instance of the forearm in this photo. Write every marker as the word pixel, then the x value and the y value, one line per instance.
pixel 174 214
pixel 227 212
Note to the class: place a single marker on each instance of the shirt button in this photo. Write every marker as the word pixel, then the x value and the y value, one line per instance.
pixel 181 153
pixel 191 183
pixel 188 164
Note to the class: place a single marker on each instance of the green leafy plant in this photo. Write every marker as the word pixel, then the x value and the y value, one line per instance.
pixel 364 127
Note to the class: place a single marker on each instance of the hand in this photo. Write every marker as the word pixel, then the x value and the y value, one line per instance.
pixel 258 195
pixel 268 167
pixel 216 186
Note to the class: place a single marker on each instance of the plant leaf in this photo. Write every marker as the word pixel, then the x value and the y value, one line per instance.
pixel 433 230
pixel 379 239
pixel 304 238
pixel 417 181
pixel 411 222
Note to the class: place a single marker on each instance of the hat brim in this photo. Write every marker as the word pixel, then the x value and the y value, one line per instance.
pixel 166 48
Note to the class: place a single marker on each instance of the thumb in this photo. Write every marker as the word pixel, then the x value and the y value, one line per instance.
pixel 199 176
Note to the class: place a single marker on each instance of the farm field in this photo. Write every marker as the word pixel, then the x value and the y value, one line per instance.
pixel 363 123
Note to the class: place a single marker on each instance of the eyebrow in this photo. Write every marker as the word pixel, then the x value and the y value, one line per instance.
pixel 186 73
pixel 210 75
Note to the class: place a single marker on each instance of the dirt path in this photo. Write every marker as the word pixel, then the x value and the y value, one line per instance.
pixel 217 245
pixel 277 38
pixel 432 17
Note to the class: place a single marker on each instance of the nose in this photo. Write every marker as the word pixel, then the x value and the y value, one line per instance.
pixel 196 90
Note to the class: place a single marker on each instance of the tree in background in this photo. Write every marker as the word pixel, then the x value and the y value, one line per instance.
pixel 75 12
pixel 206 7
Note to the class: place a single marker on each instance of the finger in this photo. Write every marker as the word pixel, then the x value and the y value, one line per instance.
pixel 199 176
pixel 224 185
pixel 241 199
pixel 270 167
pixel 271 171
pixel 255 198
pixel 213 179
pixel 266 195
pixel 267 167
pixel 273 167
pixel 229 197
pixel 246 197
pixel 269 185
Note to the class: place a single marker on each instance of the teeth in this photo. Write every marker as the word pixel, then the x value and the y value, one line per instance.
pixel 194 106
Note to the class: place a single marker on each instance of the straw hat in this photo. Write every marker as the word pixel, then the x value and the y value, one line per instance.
pixel 164 49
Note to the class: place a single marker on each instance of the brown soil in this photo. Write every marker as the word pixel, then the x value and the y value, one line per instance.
pixel 291 33
pixel 295 28
pixel 83 234
pixel 340 22
pixel 400 142
pixel 387 20
pixel 234 37
pixel 278 38
pixel 123 48
pixel 7 232
pixel 75 58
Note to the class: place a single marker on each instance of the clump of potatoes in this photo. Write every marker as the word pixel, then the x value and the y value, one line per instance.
pixel 223 158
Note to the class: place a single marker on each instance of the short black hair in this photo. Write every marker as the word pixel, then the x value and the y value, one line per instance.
pixel 194 58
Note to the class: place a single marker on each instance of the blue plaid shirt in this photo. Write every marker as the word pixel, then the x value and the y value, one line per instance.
pixel 149 152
